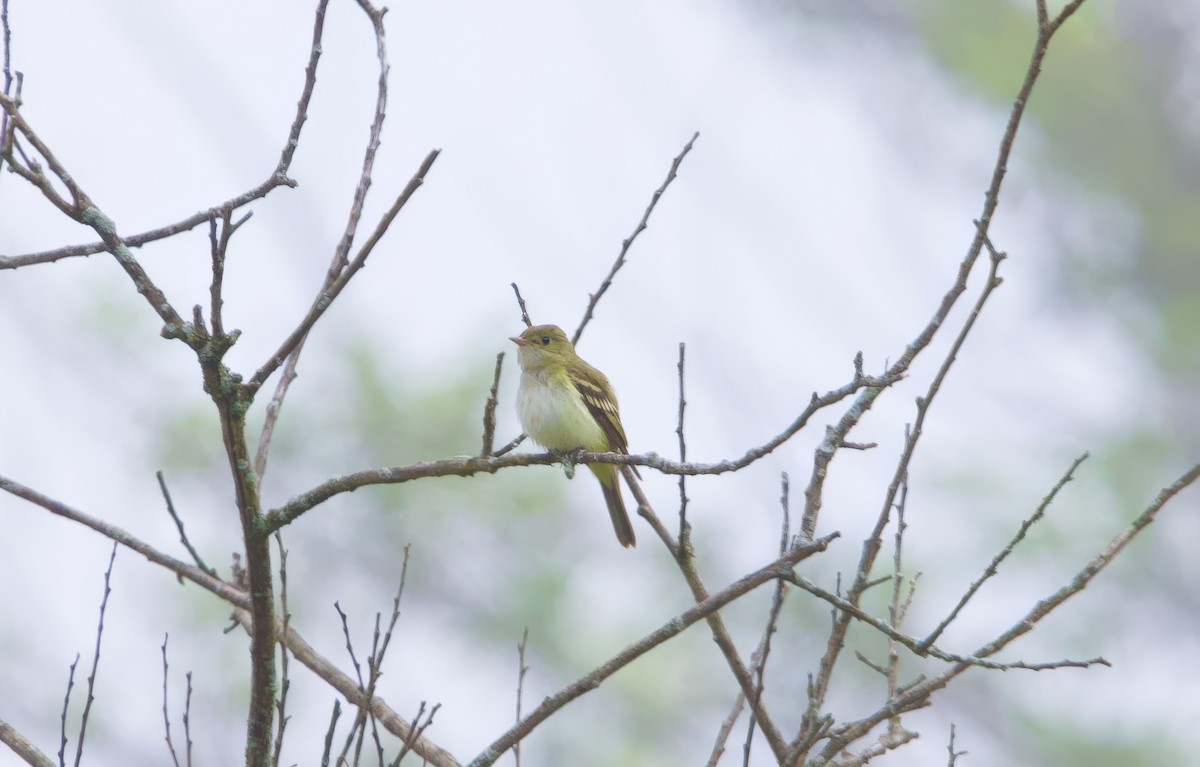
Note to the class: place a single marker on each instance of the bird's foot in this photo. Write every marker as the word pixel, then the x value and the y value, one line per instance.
pixel 569 459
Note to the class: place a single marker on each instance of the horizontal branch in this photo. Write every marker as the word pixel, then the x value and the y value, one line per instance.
pixel 466 466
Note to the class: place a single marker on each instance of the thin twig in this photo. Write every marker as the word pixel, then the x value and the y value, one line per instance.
pixel 521 303
pixel 684 527
pixel 162 483
pixel 62 732
pixel 994 566
pixel 6 41
pixel 327 294
pixel 337 711
pixel 286 376
pixel 594 298
pixel 91 682
pixel 489 409
pixel 521 671
pixel 914 645
pixel 725 729
pixel 285 682
pixel 953 755
pixel 166 715
pixel 764 646
pixel 187 718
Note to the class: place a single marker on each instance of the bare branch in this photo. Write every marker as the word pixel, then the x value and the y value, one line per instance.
pixel 726 728
pixel 464 466
pixel 521 670
pixel 162 483
pixel 604 286
pixel 780 568
pixel 331 291
pixel 166 715
pixel 278 178
pixel 521 303
pixel 489 409
pixel 91 682
pixel 62 727
pixel 684 527
pixel 22 747
pixel 994 566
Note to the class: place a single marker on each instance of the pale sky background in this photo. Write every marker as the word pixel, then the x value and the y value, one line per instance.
pixel 823 211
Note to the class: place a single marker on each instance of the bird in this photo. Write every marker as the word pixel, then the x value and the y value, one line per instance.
pixel 566 404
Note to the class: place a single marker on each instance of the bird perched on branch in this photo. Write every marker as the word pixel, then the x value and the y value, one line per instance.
pixel 566 404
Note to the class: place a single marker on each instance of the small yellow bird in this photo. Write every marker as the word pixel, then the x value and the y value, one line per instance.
pixel 566 404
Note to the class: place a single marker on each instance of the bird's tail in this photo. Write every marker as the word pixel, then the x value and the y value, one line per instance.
pixel 611 484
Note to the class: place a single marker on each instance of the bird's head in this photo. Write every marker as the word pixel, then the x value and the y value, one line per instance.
pixel 543 345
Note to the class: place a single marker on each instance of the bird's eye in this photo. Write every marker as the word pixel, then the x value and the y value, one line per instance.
pixel 545 340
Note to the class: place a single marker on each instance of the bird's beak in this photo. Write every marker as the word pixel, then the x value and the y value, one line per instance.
pixel 519 341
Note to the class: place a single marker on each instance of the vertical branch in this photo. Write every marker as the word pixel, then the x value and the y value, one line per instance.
pixel 764 645
pixel 684 527
pixel 187 719
pixel 166 714
pixel 521 670
pixel 6 41
pixel 285 681
pixel 62 728
pixel 91 682
pixel 489 410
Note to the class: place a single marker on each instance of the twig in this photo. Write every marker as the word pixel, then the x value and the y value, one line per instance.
pixel 510 445
pixel 167 716
pixel 521 670
pixel 417 731
pixel 764 646
pixel 980 660
pixel 726 728
pixel 286 376
pixel 91 682
pixel 777 569
pixel 658 193
pixel 327 294
pixel 285 682
pixel 162 483
pixel 950 749
pixel 219 246
pixel 994 565
pixel 684 527
pixel 489 409
pixel 337 711
pixel 521 303
pixel 187 718
pixel 350 645
pixel 62 730
pixel 6 41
